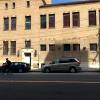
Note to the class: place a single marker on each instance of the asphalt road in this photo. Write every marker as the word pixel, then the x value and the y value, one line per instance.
pixel 50 86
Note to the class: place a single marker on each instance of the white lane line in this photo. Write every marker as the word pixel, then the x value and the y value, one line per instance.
pixel 66 82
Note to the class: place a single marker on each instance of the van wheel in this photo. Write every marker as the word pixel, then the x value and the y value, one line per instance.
pixel 47 70
pixel 72 70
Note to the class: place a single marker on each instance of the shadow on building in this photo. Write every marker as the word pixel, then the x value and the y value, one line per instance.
pixel 59 52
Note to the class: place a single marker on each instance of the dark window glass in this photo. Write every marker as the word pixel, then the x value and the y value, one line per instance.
pixel 67 61
pixel 6 24
pixel 27 22
pixel 92 18
pixel 43 47
pixel 6 6
pixel 66 47
pixel 51 20
pixel 13 23
pixel 76 47
pixel 76 19
pixel 66 19
pixel 5 48
pixel 71 60
pixel 28 4
pixel 93 47
pixel 13 48
pixel 51 47
pixel 13 5
pixel 43 21
pixel 28 44
pixel 62 61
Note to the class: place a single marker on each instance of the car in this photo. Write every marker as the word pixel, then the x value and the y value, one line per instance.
pixel 16 67
pixel 63 64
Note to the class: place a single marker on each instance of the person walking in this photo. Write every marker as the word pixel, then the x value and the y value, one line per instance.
pixel 7 65
pixel 8 62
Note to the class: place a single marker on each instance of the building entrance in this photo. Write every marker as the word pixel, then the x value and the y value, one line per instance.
pixel 27 58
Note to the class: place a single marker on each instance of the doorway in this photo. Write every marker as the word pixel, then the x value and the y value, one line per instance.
pixel 27 58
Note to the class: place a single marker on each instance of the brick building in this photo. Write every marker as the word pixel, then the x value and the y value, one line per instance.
pixel 37 31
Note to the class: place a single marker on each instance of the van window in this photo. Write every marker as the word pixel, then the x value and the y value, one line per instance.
pixel 71 60
pixel 63 61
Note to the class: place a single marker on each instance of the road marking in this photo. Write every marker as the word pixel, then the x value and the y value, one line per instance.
pixel 65 82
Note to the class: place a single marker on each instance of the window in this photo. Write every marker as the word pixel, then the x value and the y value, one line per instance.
pixel 43 21
pixel 27 22
pixel 66 19
pixel 67 61
pixel 13 47
pixel 6 24
pixel 27 44
pixel 13 4
pixel 92 18
pixel 71 60
pixel 76 47
pixel 93 46
pixel 66 47
pixel 51 20
pixel 63 61
pixel 6 6
pixel 76 19
pixel 51 47
pixel 28 4
pixel 43 47
pixel 13 23
pixel 5 48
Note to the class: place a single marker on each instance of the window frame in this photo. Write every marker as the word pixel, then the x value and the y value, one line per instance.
pixel 6 6
pixel 92 48
pixel 27 23
pixel 52 47
pixel 76 19
pixel 76 47
pixel 66 48
pixel 28 4
pixel 6 23
pixel 51 21
pixel 43 22
pixel 13 23
pixel 27 44
pixel 13 47
pixel 66 20
pixel 13 5
pixel 43 47
pixel 92 18
pixel 5 47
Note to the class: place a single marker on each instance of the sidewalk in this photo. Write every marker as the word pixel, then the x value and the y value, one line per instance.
pixel 83 70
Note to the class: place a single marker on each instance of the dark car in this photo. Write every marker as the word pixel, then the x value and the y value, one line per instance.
pixel 16 67
pixel 63 64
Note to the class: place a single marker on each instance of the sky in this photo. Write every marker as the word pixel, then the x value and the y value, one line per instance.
pixel 61 1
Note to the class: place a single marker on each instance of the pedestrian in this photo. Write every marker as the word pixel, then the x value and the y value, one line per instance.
pixel 8 62
pixel 7 65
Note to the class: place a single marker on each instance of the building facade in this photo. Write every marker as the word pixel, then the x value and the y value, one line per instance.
pixel 37 31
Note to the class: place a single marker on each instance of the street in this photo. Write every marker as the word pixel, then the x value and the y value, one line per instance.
pixel 50 86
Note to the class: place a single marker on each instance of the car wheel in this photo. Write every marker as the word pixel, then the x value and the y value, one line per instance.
pixel 20 70
pixel 47 70
pixel 72 70
pixel 7 70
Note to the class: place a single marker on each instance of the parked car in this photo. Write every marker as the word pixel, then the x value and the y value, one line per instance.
pixel 64 64
pixel 16 67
